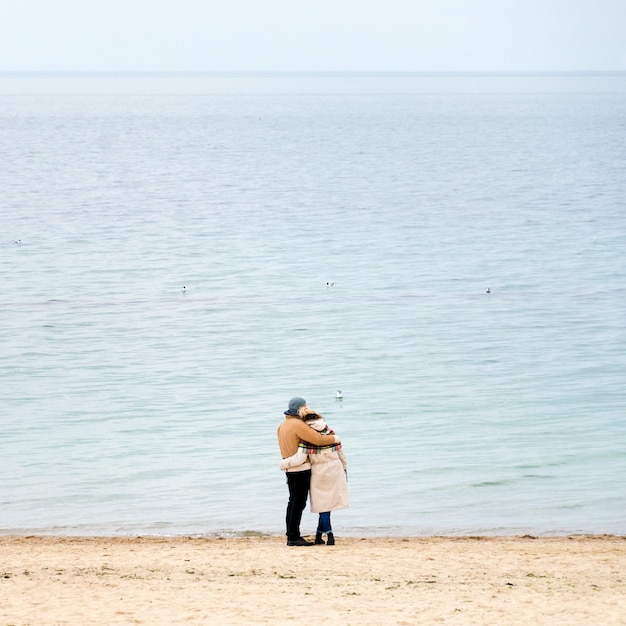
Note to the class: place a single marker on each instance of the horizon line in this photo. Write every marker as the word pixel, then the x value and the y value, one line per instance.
pixel 338 73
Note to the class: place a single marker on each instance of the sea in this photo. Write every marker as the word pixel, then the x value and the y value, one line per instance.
pixel 180 254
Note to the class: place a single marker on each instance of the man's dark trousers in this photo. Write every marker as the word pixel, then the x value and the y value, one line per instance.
pixel 298 483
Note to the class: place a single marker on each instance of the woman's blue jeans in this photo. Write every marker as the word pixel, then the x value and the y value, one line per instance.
pixel 323 525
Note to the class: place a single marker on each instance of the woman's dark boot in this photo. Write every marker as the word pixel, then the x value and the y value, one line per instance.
pixel 330 539
pixel 318 538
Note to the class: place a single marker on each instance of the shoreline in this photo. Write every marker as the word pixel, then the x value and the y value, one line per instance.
pixel 259 534
pixel 575 579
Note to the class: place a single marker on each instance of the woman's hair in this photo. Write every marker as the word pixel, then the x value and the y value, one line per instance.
pixel 306 412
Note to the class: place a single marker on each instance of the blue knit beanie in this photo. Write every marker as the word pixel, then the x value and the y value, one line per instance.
pixel 294 405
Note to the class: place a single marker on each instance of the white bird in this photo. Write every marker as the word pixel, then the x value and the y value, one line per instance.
pixel 339 395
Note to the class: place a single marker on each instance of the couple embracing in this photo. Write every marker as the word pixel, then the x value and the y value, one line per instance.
pixel 313 460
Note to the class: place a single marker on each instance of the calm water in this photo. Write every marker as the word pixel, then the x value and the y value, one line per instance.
pixel 128 405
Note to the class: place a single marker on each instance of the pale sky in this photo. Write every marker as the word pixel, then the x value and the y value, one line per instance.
pixel 313 35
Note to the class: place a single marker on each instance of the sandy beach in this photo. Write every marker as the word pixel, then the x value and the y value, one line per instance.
pixel 359 581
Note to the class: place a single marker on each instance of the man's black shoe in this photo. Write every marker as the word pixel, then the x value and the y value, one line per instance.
pixel 300 542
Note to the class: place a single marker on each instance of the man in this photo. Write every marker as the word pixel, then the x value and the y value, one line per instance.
pixel 290 433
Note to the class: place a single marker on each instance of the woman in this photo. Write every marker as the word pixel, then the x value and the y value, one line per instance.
pixel 329 483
